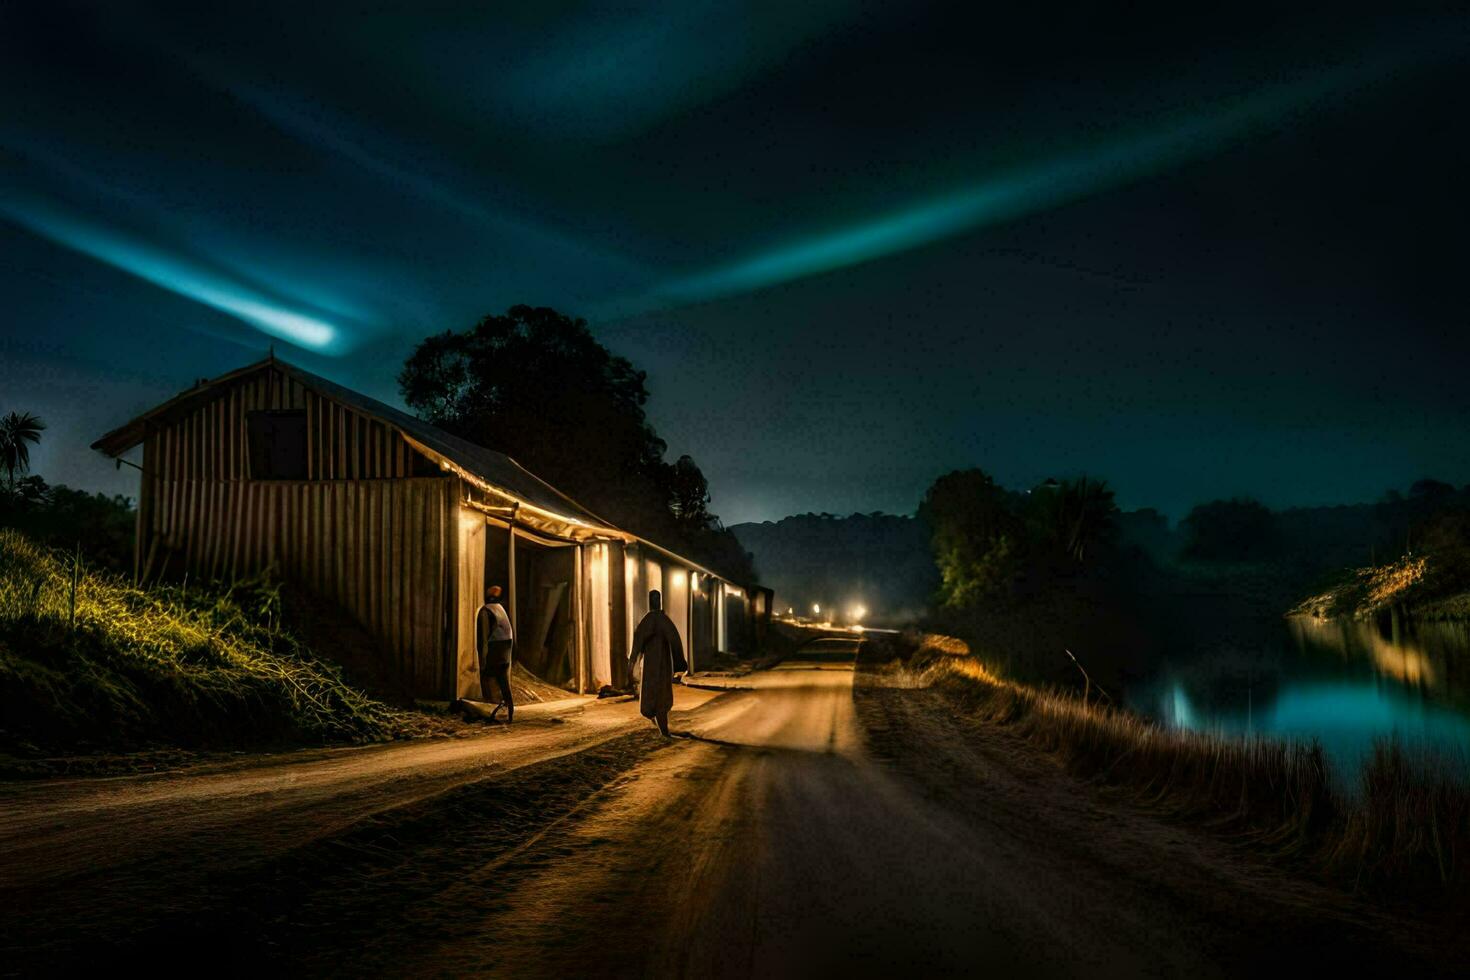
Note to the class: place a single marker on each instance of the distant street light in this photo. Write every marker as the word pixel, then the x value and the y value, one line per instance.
pixel 858 612
pixel 816 609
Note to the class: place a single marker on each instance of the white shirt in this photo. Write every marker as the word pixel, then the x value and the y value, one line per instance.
pixel 502 629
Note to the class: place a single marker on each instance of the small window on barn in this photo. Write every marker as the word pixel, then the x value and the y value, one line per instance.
pixel 277 445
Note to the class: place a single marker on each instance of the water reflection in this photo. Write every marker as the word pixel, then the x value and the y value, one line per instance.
pixel 1345 683
pixel 1398 656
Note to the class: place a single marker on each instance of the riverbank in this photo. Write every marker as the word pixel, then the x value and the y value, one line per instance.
pixel 1404 833
pixel 1431 586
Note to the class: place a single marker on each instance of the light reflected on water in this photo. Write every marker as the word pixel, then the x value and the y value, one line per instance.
pixel 1398 655
pixel 1343 683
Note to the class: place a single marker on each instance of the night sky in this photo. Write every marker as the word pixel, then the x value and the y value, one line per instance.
pixel 1199 253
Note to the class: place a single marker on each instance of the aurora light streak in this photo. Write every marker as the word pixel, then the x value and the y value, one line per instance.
pixel 173 272
pixel 1007 196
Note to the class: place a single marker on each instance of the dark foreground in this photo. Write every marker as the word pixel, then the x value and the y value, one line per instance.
pixel 809 827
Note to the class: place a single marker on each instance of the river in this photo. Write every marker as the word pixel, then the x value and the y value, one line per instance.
pixel 1344 683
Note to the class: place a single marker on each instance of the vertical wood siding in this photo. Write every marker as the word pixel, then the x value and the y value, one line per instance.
pixel 210 442
pixel 369 529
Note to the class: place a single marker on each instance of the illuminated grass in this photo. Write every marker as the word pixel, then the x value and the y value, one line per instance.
pixel 1432 586
pixel 1407 830
pixel 181 665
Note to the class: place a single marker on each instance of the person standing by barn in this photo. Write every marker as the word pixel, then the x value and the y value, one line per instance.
pixel 495 638
pixel 656 640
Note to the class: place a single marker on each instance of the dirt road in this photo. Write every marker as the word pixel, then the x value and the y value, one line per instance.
pixel 774 843
pixel 96 858
pixel 804 827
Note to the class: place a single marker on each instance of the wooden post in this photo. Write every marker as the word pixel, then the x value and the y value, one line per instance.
pixel 448 504
pixel 617 598
pixel 510 585
pixel 579 621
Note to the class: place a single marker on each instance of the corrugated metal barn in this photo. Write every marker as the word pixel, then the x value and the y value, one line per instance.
pixel 403 525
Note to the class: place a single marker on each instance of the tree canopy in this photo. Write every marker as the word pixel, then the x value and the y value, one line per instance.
pixel 535 384
pixel 1231 530
pixel 990 542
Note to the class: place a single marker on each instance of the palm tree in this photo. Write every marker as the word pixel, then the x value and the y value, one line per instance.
pixel 1086 515
pixel 16 430
pixel 1073 515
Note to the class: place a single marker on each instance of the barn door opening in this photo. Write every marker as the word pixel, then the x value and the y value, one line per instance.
pixel 498 561
pixel 545 619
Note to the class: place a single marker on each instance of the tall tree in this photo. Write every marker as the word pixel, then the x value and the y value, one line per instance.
pixel 975 533
pixel 990 543
pixel 535 384
pixel 688 494
pixel 17 433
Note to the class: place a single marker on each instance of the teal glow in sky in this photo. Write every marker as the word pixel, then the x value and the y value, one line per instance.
pixel 1012 195
pixel 1152 244
pixel 173 272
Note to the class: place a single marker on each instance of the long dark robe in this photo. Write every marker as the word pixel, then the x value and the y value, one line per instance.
pixel 656 640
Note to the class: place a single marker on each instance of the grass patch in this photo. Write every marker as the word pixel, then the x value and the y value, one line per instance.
pixel 89 662
pixel 1405 832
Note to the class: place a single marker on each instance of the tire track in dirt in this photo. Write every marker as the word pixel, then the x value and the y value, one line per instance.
pixel 327 898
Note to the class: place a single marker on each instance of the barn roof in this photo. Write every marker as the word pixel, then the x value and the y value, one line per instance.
pixel 476 463
pixel 473 462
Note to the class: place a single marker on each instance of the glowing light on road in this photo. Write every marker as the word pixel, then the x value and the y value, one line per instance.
pixel 816 609
pixel 859 611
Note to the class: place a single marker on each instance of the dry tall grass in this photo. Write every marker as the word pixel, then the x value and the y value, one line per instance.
pixel 1406 831
pixel 87 661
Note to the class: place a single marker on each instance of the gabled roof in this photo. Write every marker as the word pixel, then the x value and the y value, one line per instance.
pixel 476 464
pixel 496 471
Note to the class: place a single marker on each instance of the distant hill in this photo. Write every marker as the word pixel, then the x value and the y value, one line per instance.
pixel 878 561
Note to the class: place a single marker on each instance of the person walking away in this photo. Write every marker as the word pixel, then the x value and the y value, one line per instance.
pixel 495 638
pixel 656 640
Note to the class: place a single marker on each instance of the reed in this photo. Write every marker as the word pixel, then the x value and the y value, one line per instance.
pixel 1406 831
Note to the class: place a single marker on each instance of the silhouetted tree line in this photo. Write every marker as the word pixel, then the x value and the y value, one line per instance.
pixel 1432 516
pixel 61 517
pixel 990 543
pixel 536 385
